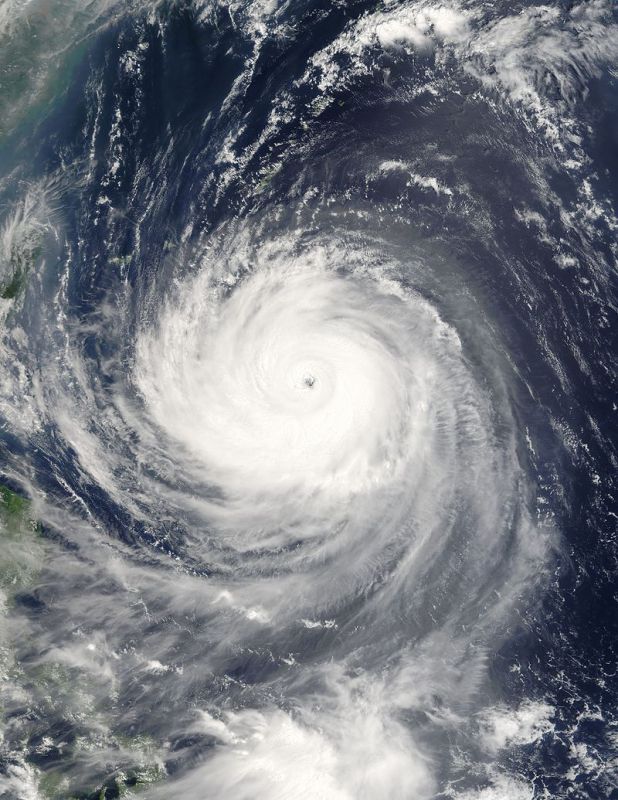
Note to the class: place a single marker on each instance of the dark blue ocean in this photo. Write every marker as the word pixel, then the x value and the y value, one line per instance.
pixel 308 400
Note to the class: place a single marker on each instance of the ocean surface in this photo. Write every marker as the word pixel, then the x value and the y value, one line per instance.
pixel 308 400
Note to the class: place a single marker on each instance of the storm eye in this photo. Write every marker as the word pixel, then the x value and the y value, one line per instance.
pixel 309 381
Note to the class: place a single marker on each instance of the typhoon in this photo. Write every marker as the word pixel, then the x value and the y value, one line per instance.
pixel 307 400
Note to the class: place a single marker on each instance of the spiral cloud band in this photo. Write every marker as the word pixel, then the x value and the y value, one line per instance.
pixel 305 410
pixel 335 418
pixel 350 444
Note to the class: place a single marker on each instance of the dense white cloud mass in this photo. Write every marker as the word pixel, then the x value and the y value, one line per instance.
pixel 293 354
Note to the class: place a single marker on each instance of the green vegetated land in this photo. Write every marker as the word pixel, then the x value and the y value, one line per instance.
pixel 123 784
pixel 22 257
pixel 58 691
pixel 20 553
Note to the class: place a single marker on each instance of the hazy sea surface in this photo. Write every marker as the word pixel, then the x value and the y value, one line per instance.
pixel 308 400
